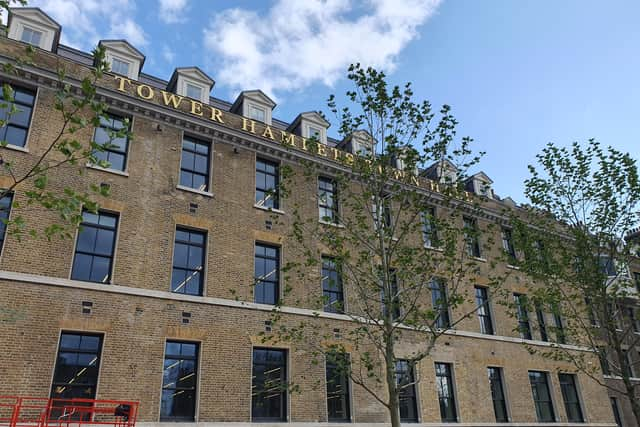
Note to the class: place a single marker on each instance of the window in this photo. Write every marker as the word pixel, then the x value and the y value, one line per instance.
pixel 189 249
pixel 570 397
pixel 267 179
pixel 391 302
pixel 484 311
pixel 16 116
pixel 440 304
pixel 268 390
pixel 382 214
pixel 616 411
pixel 604 361
pixel 179 381
pixel 498 395
pixel 429 229
pixel 114 149
pixel 194 91
pixel 507 244
pixel 607 266
pixel 328 200
pixel 523 316
pixel 471 237
pixel 444 384
pixel 636 278
pixel 5 210
pixel 95 247
pixel 542 323
pixel 561 336
pixel 194 164
pixel 267 274
pixel 315 132
pixel 332 286
pixel 257 113
pixel 31 36
pixel 541 397
pixel 338 408
pixel 627 367
pixel 76 371
pixel 119 66
pixel 408 399
pixel 632 319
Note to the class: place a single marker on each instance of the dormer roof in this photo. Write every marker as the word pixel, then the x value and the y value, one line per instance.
pixel 39 19
pixel 481 176
pixel 192 72
pixel 124 47
pixel 254 95
pixel 312 116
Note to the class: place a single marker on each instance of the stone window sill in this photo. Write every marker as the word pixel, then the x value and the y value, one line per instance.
pixel 108 170
pixel 16 148
pixel 274 210
pixel 193 190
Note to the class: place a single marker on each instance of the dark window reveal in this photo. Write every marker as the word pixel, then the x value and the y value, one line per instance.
pixel 429 228
pixel 93 261
pixel 194 164
pixel 440 303
pixel 523 316
pixel 5 210
pixel 471 237
pixel 179 381
pixel 484 312
pixel 327 200
pixel 114 148
pixel 391 303
pixel 266 274
pixel 507 244
pixel 268 389
pixel 188 262
pixel 497 394
pixel 76 372
pixel 616 411
pixel 17 119
pixel 338 408
pixel 408 399
pixel 267 180
pixel 444 384
pixel 570 397
pixel 332 286
pixel 542 323
pixel 541 396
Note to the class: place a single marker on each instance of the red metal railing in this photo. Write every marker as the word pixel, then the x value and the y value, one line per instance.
pixel 18 411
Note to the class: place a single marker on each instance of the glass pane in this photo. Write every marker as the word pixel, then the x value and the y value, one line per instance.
pixel 104 242
pixel 180 255
pixel 69 341
pixel 188 160
pixel 16 136
pixel 178 280
pixel 21 116
pixel 100 270
pixel 202 149
pixel 186 179
pixel 87 237
pixel 199 183
pixel 23 96
pixel 193 286
pixel 89 342
pixel 201 164
pixel 195 257
pixel 81 269
pixel 172 348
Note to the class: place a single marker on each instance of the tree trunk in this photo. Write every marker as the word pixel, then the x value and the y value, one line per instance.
pixel 633 399
pixel 394 403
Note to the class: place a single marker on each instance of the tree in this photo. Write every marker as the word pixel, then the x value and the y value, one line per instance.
pixel 404 269
pixel 585 200
pixel 77 108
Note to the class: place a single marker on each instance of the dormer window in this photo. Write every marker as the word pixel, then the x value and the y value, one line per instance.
pixel 31 36
pixel 255 105
pixel 194 91
pixel 191 82
pixel 314 132
pixel 119 66
pixel 310 124
pixel 257 113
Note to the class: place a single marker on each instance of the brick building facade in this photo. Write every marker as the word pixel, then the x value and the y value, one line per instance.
pixel 164 275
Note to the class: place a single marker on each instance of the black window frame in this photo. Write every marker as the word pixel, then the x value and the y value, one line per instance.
pixel 77 351
pixel 5 212
pixel 86 225
pixel 484 310
pixel 328 186
pixel 395 300
pixel 188 173
pixel 186 268
pixel 283 377
pixel 108 148
pixel 471 237
pixel 259 281
pixel 560 332
pixel 616 411
pixel 18 102
pixel 537 401
pixel 193 389
pixel 408 398
pixel 271 196
pixel 444 373
pixel 382 215
pixel 542 323
pixel 507 244
pixel 571 397
pixel 440 302
pixel 336 370
pixel 522 315
pixel 332 287
pixel 498 395
pixel 429 228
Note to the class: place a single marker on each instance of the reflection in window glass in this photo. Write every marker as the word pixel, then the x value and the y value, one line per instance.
pixel 338 408
pixel 179 381
pixel 17 117
pixel 188 262
pixel 266 274
pixel 408 398
pixel 267 179
pixel 541 396
pixel 332 286
pixel 444 384
pixel 194 164
pixel 5 210
pixel 95 247
pixel 269 383
pixel 31 36
pixel 114 149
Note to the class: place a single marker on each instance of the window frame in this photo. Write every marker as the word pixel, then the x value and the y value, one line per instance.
pixel 207 177
pixel 196 387
pixel 120 60
pixel 550 403
pixel 576 390
pixel 27 129
pixel 506 234
pixel 412 395
pixel 340 292
pixel 251 107
pixel 125 154
pixel 3 226
pixel 542 323
pixel 278 261
pixel 335 209
pixel 472 241
pixel 429 228
pixel 284 393
pixel 275 192
pixel 397 312
pixel 451 387
pixel 505 401
pixel 486 305
pixel 346 395
pixel 522 315
pixel 441 322
pixel 203 246
pixel 112 256
pixel 60 349
pixel 33 31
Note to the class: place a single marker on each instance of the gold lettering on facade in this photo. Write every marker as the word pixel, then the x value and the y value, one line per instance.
pixel 321 150
pixel 414 180
pixel 196 108
pixel 267 133
pixel 146 89
pixel 216 115
pixel 304 144
pixel 121 81
pixel 172 98
pixel 349 159
pixel 336 153
pixel 248 125
pixel 287 138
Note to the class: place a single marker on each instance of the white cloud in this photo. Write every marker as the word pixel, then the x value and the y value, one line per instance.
pixel 167 54
pixel 172 11
pixel 85 22
pixel 297 43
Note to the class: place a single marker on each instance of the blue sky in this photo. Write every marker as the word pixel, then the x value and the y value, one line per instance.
pixel 518 73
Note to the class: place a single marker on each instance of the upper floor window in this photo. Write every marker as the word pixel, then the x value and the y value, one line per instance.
pixel 5 210
pixel 429 230
pixel 570 397
pixel 616 411
pixel 391 303
pixel 507 244
pixel 194 91
pixel 332 286
pixel 93 261
pixel 542 396
pixel 327 200
pixel 266 274
pixel 194 164
pixel 76 371
pixel 382 217
pixel 484 311
pixel 561 336
pixel 16 116
pixel 267 180
pixel 31 36
pixel 542 323
pixel 522 314
pixel 408 398
pixel 269 385
pixel 189 250
pixel 314 132
pixel 444 384
pixel 440 302
pixel 257 113
pixel 338 405
pixel 471 237
pixel 114 148
pixel 179 381
pixel 119 66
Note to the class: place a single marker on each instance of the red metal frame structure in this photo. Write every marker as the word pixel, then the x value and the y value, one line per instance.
pixel 18 411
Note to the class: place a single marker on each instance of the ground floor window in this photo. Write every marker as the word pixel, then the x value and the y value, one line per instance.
pixel 444 384
pixel 541 396
pixel 570 397
pixel 497 394
pixel 179 381
pixel 408 399
pixel 338 408
pixel 269 385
